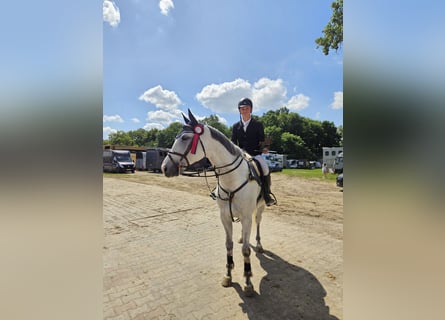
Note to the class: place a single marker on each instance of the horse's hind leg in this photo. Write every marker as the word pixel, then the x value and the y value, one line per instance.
pixel 248 288
pixel 259 215
pixel 259 247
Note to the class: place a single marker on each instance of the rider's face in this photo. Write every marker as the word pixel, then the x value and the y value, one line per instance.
pixel 245 112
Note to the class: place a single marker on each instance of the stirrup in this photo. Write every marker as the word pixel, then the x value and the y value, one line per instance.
pixel 212 195
pixel 271 201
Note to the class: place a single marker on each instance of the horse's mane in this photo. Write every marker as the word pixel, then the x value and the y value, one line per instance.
pixel 229 145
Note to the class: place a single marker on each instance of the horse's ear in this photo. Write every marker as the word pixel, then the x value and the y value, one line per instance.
pixel 186 120
pixel 192 118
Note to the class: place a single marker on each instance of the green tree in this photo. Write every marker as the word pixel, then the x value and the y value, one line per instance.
pixel 152 137
pixel 273 134
pixel 166 137
pixel 282 126
pixel 290 143
pixel 331 137
pixel 269 119
pixel 333 32
pixel 139 137
pixel 214 122
pixel 340 134
pixel 312 133
pixel 120 138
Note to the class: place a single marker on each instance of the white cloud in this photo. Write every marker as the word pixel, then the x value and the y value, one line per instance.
pixel 225 96
pixel 166 6
pixel 135 120
pixel 115 118
pixel 111 13
pixel 317 115
pixel 298 102
pixel 163 99
pixel 149 126
pixel 163 117
pixel 266 94
pixel 222 120
pixel 108 130
pixel 338 100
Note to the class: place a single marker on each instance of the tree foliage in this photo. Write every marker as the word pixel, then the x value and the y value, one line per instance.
pixel 167 136
pixel 285 132
pixel 297 136
pixel 213 121
pixel 333 32
pixel 340 133
pixel 121 138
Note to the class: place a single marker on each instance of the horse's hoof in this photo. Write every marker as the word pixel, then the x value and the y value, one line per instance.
pixel 248 290
pixel 259 248
pixel 227 281
pixel 240 240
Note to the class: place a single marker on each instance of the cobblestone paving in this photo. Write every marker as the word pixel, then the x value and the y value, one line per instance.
pixel 164 258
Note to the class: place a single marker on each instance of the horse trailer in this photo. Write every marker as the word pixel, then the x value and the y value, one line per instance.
pixel 141 160
pixel 154 158
pixel 329 155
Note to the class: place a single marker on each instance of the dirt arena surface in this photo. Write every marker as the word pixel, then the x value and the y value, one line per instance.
pixel 164 251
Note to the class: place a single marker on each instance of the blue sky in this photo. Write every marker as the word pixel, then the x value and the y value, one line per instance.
pixel 162 57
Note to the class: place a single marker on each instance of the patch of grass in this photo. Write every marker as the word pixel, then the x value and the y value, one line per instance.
pixel 308 173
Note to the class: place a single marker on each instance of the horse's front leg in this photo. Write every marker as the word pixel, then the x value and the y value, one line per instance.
pixel 246 226
pixel 227 280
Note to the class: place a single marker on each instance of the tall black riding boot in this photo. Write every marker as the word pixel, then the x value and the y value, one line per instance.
pixel 266 191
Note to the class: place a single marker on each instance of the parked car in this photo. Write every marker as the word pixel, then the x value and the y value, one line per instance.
pixel 272 162
pixel 292 163
pixel 339 180
pixel 275 166
pixel 303 164
pixel 315 164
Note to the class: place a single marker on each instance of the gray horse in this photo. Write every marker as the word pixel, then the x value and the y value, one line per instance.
pixel 238 193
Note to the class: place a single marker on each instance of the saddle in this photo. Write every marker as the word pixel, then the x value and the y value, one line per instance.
pixel 256 172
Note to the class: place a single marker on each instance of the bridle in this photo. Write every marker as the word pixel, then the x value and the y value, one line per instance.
pixel 198 130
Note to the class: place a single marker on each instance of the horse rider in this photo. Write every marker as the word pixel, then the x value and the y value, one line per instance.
pixel 248 134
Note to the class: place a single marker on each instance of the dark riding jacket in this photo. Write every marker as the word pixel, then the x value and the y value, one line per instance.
pixel 250 140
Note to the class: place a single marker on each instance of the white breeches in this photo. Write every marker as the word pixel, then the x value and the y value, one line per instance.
pixel 263 163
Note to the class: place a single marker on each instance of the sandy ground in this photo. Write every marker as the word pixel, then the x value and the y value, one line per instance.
pixel 296 196
pixel 309 213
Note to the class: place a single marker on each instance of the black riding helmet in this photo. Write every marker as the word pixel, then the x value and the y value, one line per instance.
pixel 245 102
